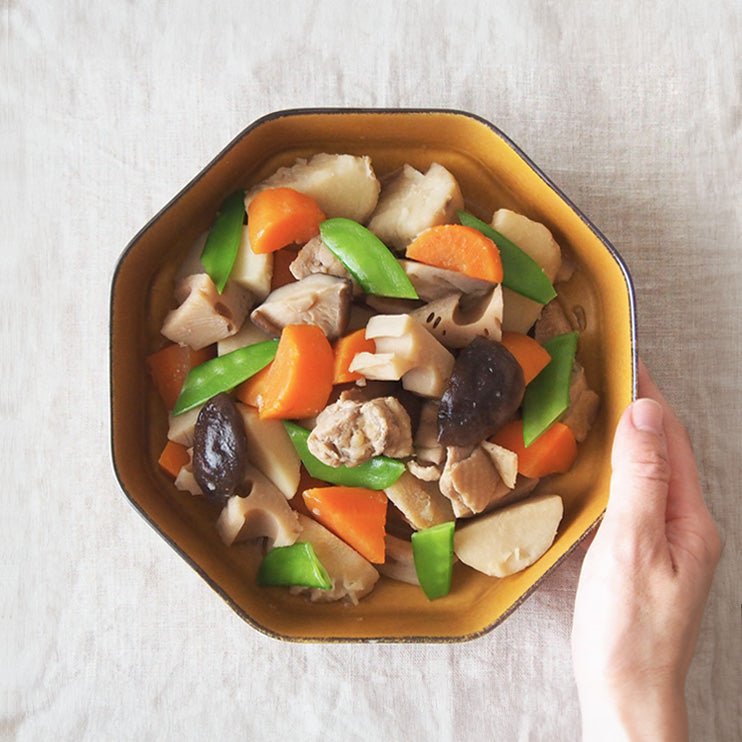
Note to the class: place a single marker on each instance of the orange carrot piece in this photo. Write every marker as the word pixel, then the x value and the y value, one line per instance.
pixel 173 458
pixel 530 354
pixel 282 259
pixel 458 248
pixel 298 381
pixel 354 514
pixel 345 350
pixel 277 217
pixel 554 452
pixel 169 367
pixel 250 392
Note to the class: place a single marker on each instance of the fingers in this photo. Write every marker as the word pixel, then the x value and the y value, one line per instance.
pixel 685 481
pixel 686 511
pixel 641 471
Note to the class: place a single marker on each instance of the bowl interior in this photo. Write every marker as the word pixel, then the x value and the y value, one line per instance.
pixel 492 173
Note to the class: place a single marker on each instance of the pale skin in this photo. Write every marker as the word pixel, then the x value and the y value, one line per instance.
pixel 644 582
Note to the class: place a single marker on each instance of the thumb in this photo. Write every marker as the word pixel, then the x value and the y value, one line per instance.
pixel 641 471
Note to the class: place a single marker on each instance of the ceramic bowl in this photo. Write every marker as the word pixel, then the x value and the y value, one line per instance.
pixel 493 173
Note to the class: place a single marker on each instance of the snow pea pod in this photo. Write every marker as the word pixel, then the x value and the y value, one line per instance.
pixel 367 258
pixel 432 552
pixel 223 373
pixel 376 473
pixel 547 396
pixel 521 273
pixel 223 241
pixel 296 564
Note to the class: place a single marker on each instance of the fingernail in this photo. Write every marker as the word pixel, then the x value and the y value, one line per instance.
pixel 646 414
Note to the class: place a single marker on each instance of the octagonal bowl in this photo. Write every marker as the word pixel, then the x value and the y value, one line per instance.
pixel 493 173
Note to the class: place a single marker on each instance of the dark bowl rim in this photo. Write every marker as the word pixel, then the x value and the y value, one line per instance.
pixel 332 111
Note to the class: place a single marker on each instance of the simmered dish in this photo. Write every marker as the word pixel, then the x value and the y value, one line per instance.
pixel 372 381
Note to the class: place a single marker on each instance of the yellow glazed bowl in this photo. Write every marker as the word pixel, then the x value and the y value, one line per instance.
pixel 493 173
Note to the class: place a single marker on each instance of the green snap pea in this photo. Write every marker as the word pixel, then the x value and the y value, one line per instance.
pixel 223 373
pixel 375 474
pixel 432 552
pixel 296 564
pixel 223 241
pixel 521 273
pixel 367 258
pixel 547 396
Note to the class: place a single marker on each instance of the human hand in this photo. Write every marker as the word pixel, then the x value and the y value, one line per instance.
pixel 644 581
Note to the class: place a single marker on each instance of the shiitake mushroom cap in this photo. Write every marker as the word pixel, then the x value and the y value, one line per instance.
pixel 483 393
pixel 219 449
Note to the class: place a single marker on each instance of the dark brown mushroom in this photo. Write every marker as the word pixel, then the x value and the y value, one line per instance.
pixel 482 394
pixel 219 449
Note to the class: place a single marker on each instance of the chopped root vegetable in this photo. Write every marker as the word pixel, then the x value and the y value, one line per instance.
pixel 355 514
pixel 173 458
pixel 278 217
pixel 459 248
pixel 553 452
pixel 345 351
pixel 298 382
pixel 170 366
pixel 531 355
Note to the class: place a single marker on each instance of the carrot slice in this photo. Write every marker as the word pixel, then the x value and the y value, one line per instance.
pixel 282 259
pixel 345 350
pixel 458 248
pixel 173 458
pixel 298 382
pixel 277 217
pixel 169 367
pixel 553 452
pixel 354 514
pixel 530 354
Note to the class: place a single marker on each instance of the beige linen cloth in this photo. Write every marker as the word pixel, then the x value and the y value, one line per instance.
pixel 108 109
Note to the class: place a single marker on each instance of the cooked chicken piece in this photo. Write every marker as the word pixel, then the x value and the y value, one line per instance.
pixel 251 271
pixel 552 322
pixel 205 316
pixel 433 283
pixel 421 503
pixel 318 299
pixel 424 470
pixel 505 461
pixel 399 563
pixel 456 319
pixel 470 480
pixel 316 257
pixel 263 513
pixel 583 405
pixel 352 576
pixel 271 451
pixel 342 185
pixel 349 432
pixel 411 202
pixel 536 241
pixel 405 350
